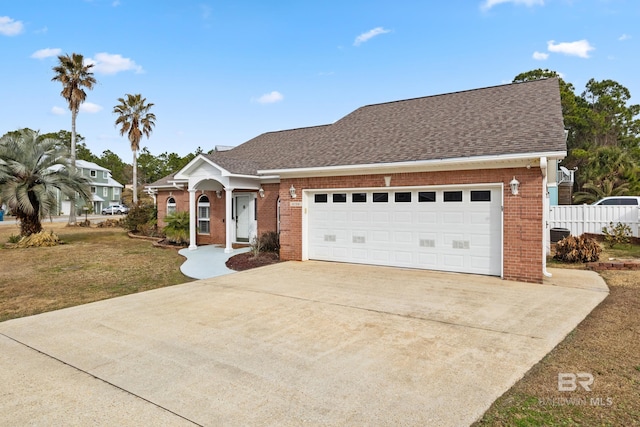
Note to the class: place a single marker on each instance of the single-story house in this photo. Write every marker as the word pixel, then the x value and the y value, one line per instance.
pixel 456 182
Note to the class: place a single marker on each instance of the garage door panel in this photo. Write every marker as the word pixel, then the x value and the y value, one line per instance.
pixel 403 237
pixel 380 256
pixel 380 217
pixel 427 260
pixel 453 261
pixel 360 254
pixel 480 218
pixel 433 234
pixel 402 217
pixel 403 257
pixel 450 217
pixel 359 217
pixel 380 236
pixel 427 218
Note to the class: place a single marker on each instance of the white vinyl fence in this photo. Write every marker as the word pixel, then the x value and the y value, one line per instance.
pixel 591 219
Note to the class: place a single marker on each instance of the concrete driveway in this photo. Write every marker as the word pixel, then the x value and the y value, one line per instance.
pixel 296 343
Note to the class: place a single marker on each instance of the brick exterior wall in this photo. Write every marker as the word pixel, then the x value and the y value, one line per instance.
pixel 522 234
pixel 268 209
pixel 216 213
pixel 522 227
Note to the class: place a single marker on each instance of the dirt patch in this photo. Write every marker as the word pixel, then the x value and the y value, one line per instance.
pixel 246 260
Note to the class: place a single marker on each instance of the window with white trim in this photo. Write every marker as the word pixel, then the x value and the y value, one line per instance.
pixel 93 173
pixel 171 206
pixel 203 215
pixel 105 191
pixel 105 175
pixel 93 190
pixel 116 191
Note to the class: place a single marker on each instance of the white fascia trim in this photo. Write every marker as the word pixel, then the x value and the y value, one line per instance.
pixel 171 184
pixel 182 173
pixel 458 163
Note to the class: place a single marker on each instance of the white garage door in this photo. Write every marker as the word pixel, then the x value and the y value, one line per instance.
pixel 449 229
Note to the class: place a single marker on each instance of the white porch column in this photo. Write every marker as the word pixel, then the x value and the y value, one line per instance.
pixel 192 219
pixel 229 222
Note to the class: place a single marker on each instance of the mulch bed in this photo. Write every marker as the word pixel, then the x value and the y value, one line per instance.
pixel 246 260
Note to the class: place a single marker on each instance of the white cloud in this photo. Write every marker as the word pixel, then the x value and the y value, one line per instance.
pixel 90 107
pixel 46 53
pixel 115 3
pixel 270 98
pixel 540 56
pixel 206 11
pixel 579 48
pixel 488 4
pixel 624 37
pixel 369 35
pixel 10 27
pixel 58 111
pixel 107 63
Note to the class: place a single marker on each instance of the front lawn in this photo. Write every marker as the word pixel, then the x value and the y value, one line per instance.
pixel 93 264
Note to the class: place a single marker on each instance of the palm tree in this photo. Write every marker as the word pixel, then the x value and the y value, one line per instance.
pixel 133 113
pixel 32 171
pixel 74 76
pixel 597 191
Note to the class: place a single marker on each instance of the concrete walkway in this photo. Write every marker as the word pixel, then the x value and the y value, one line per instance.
pixel 207 261
pixel 296 343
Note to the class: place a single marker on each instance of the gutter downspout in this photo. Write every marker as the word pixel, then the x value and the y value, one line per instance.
pixel 545 215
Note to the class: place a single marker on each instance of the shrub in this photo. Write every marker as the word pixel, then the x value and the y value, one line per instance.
pixel 14 238
pixel 578 249
pixel 267 242
pixel 618 234
pixel 138 215
pixel 177 228
pixel 256 247
pixel 270 241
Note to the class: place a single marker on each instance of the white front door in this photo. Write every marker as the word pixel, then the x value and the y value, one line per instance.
pixel 452 229
pixel 243 217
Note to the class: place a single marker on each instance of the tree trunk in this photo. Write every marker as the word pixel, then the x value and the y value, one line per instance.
pixel 29 224
pixel 72 205
pixel 135 178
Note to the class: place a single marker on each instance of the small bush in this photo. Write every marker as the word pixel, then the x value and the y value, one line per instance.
pixel 267 242
pixel 138 215
pixel 177 228
pixel 256 247
pixel 14 238
pixel 618 234
pixel 270 241
pixel 578 249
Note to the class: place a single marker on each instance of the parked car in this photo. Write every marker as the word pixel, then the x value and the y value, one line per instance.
pixel 115 209
pixel 619 201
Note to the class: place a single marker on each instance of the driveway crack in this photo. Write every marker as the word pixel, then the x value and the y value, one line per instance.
pixel 100 379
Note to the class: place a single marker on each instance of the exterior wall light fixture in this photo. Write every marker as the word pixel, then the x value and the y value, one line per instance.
pixel 514 184
pixel 292 191
pixel 261 192
pixel 219 194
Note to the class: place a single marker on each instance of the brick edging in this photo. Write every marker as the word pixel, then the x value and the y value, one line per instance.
pixel 622 265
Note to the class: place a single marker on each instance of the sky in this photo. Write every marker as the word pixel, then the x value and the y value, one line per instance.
pixel 224 72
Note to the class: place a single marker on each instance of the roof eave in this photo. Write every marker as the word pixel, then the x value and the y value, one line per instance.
pixel 460 163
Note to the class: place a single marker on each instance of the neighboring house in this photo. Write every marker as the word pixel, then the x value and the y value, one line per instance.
pixel 456 182
pixel 105 191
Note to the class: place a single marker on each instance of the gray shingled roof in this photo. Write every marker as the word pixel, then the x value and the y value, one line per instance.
pixel 501 120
